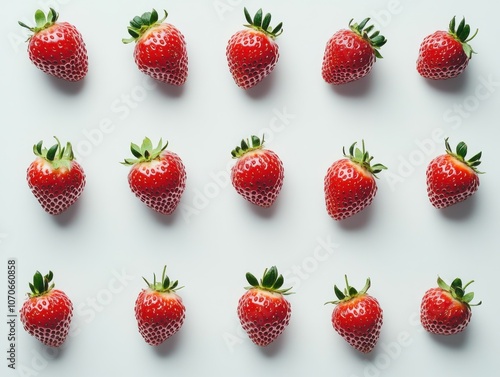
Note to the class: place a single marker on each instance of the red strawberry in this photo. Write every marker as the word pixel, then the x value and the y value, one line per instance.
pixel 357 317
pixel 445 54
pixel 160 50
pixel 446 310
pixel 263 311
pixel 258 173
pixel 350 183
pixel 159 310
pixel 253 53
pixel 350 53
pixel 55 178
pixel 157 176
pixel 57 48
pixel 451 178
pixel 47 312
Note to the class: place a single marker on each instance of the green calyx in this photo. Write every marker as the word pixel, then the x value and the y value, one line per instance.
pixel 363 159
pixel 57 156
pixel 461 34
pixel 248 145
pixel 42 21
pixel 140 25
pixel 457 291
pixel 461 152
pixel 271 281
pixel 145 153
pixel 261 23
pixel 165 285
pixel 349 292
pixel 41 284
pixel 374 39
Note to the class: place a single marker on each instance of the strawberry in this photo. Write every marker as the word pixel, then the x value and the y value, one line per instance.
pixel 57 48
pixel 252 53
pixel 445 54
pixel 159 311
pixel 157 176
pixel 350 53
pixel 55 178
pixel 350 183
pixel 263 311
pixel 160 50
pixel 47 312
pixel 357 317
pixel 451 178
pixel 446 309
pixel 258 173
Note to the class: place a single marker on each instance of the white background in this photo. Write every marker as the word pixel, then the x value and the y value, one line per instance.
pixel 101 247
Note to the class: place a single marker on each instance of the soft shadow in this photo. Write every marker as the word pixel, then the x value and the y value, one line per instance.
pixel 171 91
pixel 263 88
pixel 67 217
pixel 454 85
pixel 166 220
pixel 460 211
pixel 169 346
pixel 356 88
pixel 358 221
pixel 265 212
pixel 275 347
pixel 451 341
pixel 71 88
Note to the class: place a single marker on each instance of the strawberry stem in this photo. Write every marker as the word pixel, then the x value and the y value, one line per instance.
pixel 461 152
pixel 349 292
pixel 375 39
pixel 363 159
pixel 271 281
pixel 248 145
pixel 145 153
pixel 261 23
pixel 141 24
pixel 461 34
pixel 165 285
pixel 41 284
pixel 457 291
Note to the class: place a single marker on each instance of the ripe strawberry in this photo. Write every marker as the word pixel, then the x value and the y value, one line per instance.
pixel 446 310
pixel 55 178
pixel 357 317
pixel 157 176
pixel 253 53
pixel 159 310
pixel 57 48
pixel 160 50
pixel 445 54
pixel 47 312
pixel 263 310
pixel 350 53
pixel 350 183
pixel 451 178
pixel 258 174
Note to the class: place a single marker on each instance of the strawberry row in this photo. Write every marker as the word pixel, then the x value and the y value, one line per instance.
pixel 58 48
pixel 158 177
pixel 263 310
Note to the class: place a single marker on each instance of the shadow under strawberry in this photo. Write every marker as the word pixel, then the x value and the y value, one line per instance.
pixel 358 88
pixel 456 341
pixel 69 216
pixel 171 91
pixel 265 87
pixel 170 347
pixel 359 220
pixel 459 84
pixel 66 87
pixel 462 211
pixel 276 346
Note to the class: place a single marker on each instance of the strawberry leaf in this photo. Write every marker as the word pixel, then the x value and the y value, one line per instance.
pixel 252 280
